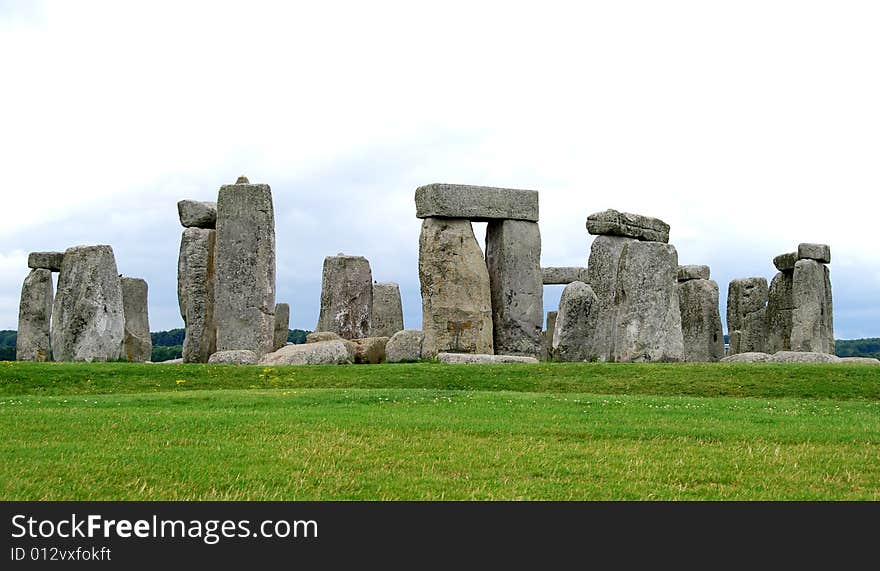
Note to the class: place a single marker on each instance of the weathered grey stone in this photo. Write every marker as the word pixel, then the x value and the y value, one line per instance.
pixel 321 336
pixel 196 279
pixel 747 315
pixel 648 318
pixel 234 357
pixel 282 325
pixel 785 262
pixel 780 305
pixel 46 261
pixel 564 275
pixel 456 297
pixel 812 326
pixel 137 345
pixel 34 317
pixel 860 360
pixel 819 252
pixel 549 330
pixel 481 203
pixel 575 324
pixel 693 272
pixel 478 359
pixel 747 357
pixel 171 362
pixel 614 223
pixel 404 346
pixel 700 320
pixel 387 309
pixel 196 214
pixel 513 258
pixel 370 350
pixel 346 297
pixel 87 316
pixel 244 308
pixel 603 269
pixel 803 357
pixel 322 353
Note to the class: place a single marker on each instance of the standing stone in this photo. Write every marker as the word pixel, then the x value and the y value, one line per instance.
pixel 747 315
pixel 46 260
pixel 245 291
pixel 603 269
pixel 34 317
pixel 137 343
pixel 387 310
pixel 87 316
pixel 648 318
pixel 812 322
pixel 550 328
pixel 196 279
pixel 282 325
pixel 700 320
pixel 346 297
pixel 513 258
pixel 780 306
pixel 456 297
pixel 575 324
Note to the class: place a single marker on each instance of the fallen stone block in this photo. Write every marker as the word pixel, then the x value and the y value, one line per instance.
pixel 860 360
pixel 404 346
pixel 803 357
pixel 234 357
pixel 370 350
pixel 480 203
pixel 478 359
pixel 747 357
pixel 322 353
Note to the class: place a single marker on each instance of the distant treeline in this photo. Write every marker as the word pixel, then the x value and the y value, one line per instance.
pixel 858 348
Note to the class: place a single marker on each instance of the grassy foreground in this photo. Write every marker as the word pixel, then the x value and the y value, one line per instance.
pixel 430 431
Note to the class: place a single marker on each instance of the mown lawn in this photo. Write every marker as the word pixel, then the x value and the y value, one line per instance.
pixel 428 431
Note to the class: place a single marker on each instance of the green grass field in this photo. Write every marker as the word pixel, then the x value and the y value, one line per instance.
pixel 427 431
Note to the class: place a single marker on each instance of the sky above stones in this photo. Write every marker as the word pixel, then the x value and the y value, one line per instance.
pixel 749 127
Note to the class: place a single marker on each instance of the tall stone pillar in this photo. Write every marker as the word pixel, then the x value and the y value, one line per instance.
pixel 282 325
pixel 780 304
pixel 813 313
pixel 574 326
pixel 700 316
pixel 34 317
pixel 137 343
pixel 387 310
pixel 346 297
pixel 747 315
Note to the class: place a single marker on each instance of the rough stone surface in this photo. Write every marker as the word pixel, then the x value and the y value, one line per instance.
pixel 321 336
pixel 513 258
pixel 700 320
pixel 245 291
pixel 234 357
pixel 137 345
pixel 87 316
pixel 812 326
pixel 370 350
pixel 648 318
pixel 404 346
pixel 480 203
pixel 785 262
pixel 780 305
pixel 747 315
pixel 46 261
pixel 614 223
pixel 549 329
pixel 575 324
pixel 387 309
pixel 819 252
pixel 282 325
pixel 860 360
pixel 196 279
pixel 564 275
pixel 171 362
pixel 346 297
pixel 748 357
pixel 603 268
pixel 456 297
pixel 196 214
pixel 477 359
pixel 803 357
pixel 322 353
pixel 686 273
pixel 34 317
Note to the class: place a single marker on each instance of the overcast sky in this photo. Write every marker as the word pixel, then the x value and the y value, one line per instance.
pixel 748 126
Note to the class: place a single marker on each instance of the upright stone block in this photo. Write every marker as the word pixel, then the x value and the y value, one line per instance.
pixel 387 309
pixel 603 269
pixel 456 296
pixel 614 223
pixel 346 297
pixel 87 316
pixel 196 279
pixel 282 325
pixel 481 203
pixel 245 289
pixel 46 260
pixel 549 329
pixel 648 319
pixel 747 315
pixel 700 320
pixel 812 321
pixel 780 307
pixel 137 345
pixel 513 258
pixel 575 324
pixel 34 317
